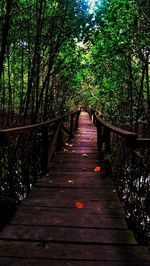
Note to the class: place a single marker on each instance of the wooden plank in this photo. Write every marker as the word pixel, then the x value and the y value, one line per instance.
pixel 70 180
pixel 40 262
pixel 78 144
pixel 66 234
pixel 80 175
pixel 100 207
pixel 91 148
pixel 74 193
pixel 82 139
pixel 79 155
pixel 95 176
pixel 75 160
pixel 79 167
pixel 64 262
pixel 81 150
pixel 73 252
pixel 80 164
pixel 53 216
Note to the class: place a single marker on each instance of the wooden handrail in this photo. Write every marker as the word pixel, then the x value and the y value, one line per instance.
pixel 117 130
pixel 143 139
pixel 142 142
pixel 20 130
pixel 103 135
pixel 48 143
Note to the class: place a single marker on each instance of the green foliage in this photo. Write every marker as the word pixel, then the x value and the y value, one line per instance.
pixel 59 55
pixel 118 52
pixel 42 58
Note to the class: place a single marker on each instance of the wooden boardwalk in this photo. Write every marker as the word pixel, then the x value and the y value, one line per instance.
pixel 73 216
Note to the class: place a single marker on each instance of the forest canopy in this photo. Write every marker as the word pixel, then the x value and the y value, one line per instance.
pixel 58 55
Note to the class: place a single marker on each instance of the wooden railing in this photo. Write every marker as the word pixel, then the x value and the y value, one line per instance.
pixel 127 158
pixel 104 130
pixel 26 152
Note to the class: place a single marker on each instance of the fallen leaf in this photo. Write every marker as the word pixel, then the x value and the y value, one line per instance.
pixel 70 181
pixel 79 205
pixel 69 145
pixel 65 150
pixel 97 169
pixel 84 169
pixel 84 155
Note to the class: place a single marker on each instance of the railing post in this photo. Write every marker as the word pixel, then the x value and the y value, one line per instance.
pixel 107 140
pixel 44 159
pixel 99 135
pixel 60 139
pixel 94 118
pixel 3 139
pixel 77 119
pixel 72 126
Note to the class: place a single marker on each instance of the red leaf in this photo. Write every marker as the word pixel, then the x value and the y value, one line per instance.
pixel 97 169
pixel 79 205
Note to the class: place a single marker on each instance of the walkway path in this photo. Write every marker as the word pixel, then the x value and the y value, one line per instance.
pixel 73 216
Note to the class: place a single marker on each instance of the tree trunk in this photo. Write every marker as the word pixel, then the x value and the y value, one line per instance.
pixel 9 90
pixel 5 32
pixel 147 82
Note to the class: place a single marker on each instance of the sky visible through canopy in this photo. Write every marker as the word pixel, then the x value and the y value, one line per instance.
pixel 92 4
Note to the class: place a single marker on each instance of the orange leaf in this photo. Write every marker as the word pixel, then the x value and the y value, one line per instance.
pixel 97 169
pixel 79 205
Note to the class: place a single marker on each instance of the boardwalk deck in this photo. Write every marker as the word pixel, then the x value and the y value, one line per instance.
pixel 73 216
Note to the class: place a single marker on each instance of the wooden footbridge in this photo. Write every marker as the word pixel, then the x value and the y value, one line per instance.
pixel 73 215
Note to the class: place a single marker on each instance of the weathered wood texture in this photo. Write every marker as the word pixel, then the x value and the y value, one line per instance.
pixel 73 215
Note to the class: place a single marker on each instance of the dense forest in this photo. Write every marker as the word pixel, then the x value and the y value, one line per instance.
pixel 58 55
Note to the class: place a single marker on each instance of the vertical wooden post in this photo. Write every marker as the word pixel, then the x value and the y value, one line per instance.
pixel 3 138
pixel 77 119
pixel 94 118
pixel 107 140
pixel 44 159
pixel 99 135
pixel 60 138
pixel 72 126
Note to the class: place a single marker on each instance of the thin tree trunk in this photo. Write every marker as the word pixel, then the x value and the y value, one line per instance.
pixel 9 90
pixel 3 92
pixel 32 78
pixel 53 54
pixel 22 80
pixel 140 96
pixel 5 31
pixel 131 81
pixel 147 82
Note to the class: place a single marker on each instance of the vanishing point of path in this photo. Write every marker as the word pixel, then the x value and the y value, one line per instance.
pixel 72 217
